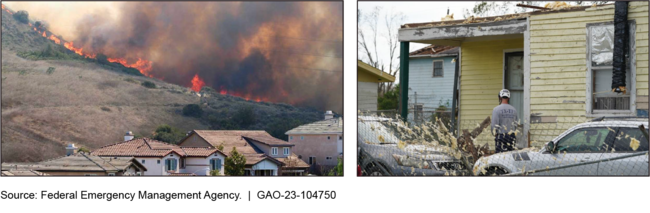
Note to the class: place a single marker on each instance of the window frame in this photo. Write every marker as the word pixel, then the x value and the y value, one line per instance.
pixel 608 141
pixel 442 68
pixel 286 151
pixel 274 150
pixel 215 164
pixel 175 162
pixel 590 112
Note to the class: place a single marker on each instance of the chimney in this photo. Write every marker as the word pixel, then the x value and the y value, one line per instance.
pixel 329 114
pixel 128 136
pixel 70 150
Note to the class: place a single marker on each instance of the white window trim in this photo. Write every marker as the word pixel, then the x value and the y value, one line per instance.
pixel 433 69
pixel 590 112
pixel 274 150
pixel 286 151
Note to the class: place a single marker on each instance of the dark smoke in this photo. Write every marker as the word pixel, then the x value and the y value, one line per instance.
pixel 277 51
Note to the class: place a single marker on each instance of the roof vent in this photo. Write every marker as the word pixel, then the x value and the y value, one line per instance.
pixel 70 149
pixel 329 114
pixel 128 136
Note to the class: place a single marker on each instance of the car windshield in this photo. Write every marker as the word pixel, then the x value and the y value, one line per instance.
pixel 375 131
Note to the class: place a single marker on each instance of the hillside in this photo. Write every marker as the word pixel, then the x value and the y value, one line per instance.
pixel 48 103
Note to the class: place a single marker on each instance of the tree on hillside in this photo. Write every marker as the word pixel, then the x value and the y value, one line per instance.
pixel 367 41
pixel 22 16
pixel 245 116
pixel 192 110
pixel 235 163
pixel 168 134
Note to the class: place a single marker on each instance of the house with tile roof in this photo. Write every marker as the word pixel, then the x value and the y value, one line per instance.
pixel 79 164
pixel 319 143
pixel 265 154
pixel 431 80
pixel 162 158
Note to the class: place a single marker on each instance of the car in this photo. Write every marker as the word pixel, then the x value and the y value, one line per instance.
pixel 379 153
pixel 601 147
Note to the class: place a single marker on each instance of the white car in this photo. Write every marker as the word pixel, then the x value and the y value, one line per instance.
pixel 605 147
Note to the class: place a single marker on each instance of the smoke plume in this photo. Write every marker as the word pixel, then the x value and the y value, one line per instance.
pixel 266 51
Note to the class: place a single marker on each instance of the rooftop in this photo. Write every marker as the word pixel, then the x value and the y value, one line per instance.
pixel 147 147
pixel 78 162
pixel 329 126
pixel 435 51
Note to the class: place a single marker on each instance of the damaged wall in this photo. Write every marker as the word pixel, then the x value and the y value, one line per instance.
pixel 559 69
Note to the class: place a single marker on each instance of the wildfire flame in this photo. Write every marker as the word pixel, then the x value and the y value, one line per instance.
pixel 197 83
pixel 144 66
pixel 55 39
pixel 70 46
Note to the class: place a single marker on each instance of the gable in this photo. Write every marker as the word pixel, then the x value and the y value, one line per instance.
pixel 194 140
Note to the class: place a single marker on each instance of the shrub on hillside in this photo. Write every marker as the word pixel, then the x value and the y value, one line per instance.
pixel 22 16
pixel 245 116
pixel 192 110
pixel 168 134
pixel 148 84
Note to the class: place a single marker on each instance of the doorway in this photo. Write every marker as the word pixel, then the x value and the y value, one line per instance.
pixel 513 80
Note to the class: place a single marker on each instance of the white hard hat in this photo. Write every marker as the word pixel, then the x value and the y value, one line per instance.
pixel 504 93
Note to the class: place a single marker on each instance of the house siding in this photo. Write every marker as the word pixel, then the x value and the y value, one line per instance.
pixel 481 80
pixel 367 93
pixel 559 69
pixel 431 91
pixel 318 146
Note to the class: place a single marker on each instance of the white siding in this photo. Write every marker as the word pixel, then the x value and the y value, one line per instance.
pixel 431 91
pixel 265 165
pixel 367 96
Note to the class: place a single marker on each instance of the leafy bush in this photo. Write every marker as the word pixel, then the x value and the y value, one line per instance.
pixel 235 163
pixel 168 134
pixel 83 149
pixel 192 110
pixel 49 52
pixel 22 16
pixel 102 59
pixel 41 25
pixel 148 84
pixel 106 109
pixel 338 169
pixel 389 100
pixel 215 172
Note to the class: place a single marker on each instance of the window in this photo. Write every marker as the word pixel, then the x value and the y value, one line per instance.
pixel 142 161
pixel 215 164
pixel 290 137
pixel 182 163
pixel 586 140
pixel 340 137
pixel 600 47
pixel 302 137
pixel 312 160
pixel 247 172
pixel 286 151
pixel 328 158
pixel 170 164
pixel 328 137
pixel 158 161
pixel 623 140
pixel 111 174
pixel 437 69
pixel 274 151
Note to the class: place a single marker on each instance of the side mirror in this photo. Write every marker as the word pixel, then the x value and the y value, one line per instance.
pixel 550 146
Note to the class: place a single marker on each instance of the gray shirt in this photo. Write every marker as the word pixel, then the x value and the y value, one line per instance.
pixel 504 119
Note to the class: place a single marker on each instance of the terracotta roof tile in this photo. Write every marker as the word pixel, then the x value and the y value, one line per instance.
pixel 146 147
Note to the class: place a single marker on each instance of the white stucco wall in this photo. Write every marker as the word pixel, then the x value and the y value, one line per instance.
pixel 153 168
pixel 201 166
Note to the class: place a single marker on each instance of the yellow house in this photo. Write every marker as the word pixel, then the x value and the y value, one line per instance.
pixel 368 79
pixel 550 60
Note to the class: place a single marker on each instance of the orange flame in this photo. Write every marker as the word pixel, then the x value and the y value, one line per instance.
pixel 223 90
pixel 70 46
pixel 55 39
pixel 141 65
pixel 197 83
pixel 44 35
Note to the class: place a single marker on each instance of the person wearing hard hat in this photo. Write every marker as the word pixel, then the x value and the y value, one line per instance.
pixel 504 123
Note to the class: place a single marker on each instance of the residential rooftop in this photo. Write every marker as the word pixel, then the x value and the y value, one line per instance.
pixel 327 126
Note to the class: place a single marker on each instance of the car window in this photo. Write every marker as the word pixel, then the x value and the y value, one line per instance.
pixel 624 143
pixel 586 140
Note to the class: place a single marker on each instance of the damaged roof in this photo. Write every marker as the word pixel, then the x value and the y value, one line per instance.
pixel 435 50
pixel 490 19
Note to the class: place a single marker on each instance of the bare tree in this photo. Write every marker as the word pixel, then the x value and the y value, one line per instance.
pixel 367 41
